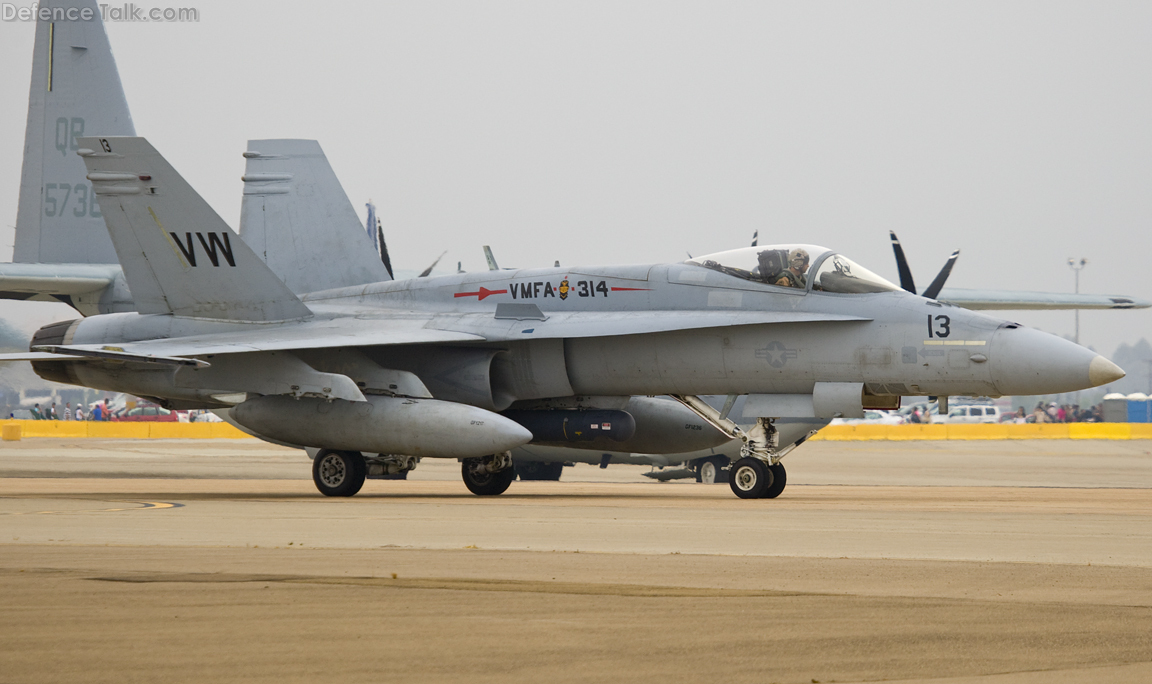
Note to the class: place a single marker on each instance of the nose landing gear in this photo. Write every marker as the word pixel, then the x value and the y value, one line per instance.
pixel 758 474
pixel 751 478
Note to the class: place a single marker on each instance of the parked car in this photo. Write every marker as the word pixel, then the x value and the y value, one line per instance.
pixel 972 414
pixel 873 418
pixel 203 417
pixel 148 413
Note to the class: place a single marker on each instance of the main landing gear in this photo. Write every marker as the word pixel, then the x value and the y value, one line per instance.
pixel 339 473
pixel 536 470
pixel 342 473
pixel 758 473
pixel 488 476
pixel 711 470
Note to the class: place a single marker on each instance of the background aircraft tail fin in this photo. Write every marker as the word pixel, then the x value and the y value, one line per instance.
pixel 298 219
pixel 75 90
pixel 178 255
pixel 490 258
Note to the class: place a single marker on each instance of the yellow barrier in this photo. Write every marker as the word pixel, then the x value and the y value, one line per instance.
pixel 916 432
pixel 118 430
pixel 1100 430
pixel 833 433
pixel 954 431
pixel 1039 431
pixel 962 431
pixel 109 430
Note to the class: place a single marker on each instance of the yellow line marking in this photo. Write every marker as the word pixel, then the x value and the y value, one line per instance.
pixel 144 506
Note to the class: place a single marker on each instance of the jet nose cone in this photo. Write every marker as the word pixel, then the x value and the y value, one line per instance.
pixel 1102 371
pixel 1025 362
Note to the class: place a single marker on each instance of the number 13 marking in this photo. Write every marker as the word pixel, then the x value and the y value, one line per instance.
pixel 941 327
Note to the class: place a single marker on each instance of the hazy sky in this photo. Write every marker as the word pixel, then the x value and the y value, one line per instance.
pixel 620 132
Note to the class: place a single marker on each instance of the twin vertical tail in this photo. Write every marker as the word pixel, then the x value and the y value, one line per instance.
pixel 298 219
pixel 178 255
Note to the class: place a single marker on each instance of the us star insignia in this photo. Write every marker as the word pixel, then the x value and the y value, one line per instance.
pixel 776 354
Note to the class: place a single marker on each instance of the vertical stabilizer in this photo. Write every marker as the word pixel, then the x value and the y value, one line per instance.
pixel 75 91
pixel 178 255
pixel 297 218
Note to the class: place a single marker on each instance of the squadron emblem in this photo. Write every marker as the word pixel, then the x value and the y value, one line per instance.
pixel 564 289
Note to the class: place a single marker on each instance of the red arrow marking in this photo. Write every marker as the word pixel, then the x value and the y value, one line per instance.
pixel 631 289
pixel 484 292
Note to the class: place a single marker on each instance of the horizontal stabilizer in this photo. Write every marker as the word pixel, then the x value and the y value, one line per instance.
pixel 61 353
pixel 178 255
pixel 56 279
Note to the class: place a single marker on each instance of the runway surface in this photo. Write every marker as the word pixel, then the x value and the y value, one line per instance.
pixel 989 562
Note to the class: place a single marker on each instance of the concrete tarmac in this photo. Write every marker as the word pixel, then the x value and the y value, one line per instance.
pixel 974 562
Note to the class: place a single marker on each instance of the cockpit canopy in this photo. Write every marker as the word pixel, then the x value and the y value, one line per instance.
pixel 796 266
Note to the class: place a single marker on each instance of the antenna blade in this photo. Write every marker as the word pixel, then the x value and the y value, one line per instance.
pixel 428 271
pixel 383 249
pixel 941 277
pixel 906 281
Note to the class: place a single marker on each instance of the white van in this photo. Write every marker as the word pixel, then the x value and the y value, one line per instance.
pixel 973 414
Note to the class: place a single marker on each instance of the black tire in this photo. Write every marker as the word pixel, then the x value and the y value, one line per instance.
pixel 537 470
pixel 339 473
pixel 779 480
pixel 711 471
pixel 483 483
pixel 749 478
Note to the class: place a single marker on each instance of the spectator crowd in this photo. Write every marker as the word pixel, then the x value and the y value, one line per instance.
pixel 1059 413
pixel 99 411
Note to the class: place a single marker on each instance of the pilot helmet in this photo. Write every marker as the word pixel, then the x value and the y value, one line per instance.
pixel 798 255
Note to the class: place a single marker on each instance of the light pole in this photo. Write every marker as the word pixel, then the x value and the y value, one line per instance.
pixel 1076 267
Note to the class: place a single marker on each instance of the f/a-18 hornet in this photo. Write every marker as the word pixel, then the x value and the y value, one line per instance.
pixel 470 366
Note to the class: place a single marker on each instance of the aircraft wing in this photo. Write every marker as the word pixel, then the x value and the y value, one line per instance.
pixel 321 334
pixel 1015 299
pixel 414 328
pixel 528 322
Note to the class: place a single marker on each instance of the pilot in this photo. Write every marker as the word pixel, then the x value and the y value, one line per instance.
pixel 793 276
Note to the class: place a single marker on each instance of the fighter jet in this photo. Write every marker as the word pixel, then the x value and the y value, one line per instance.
pixel 292 204
pixel 470 366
